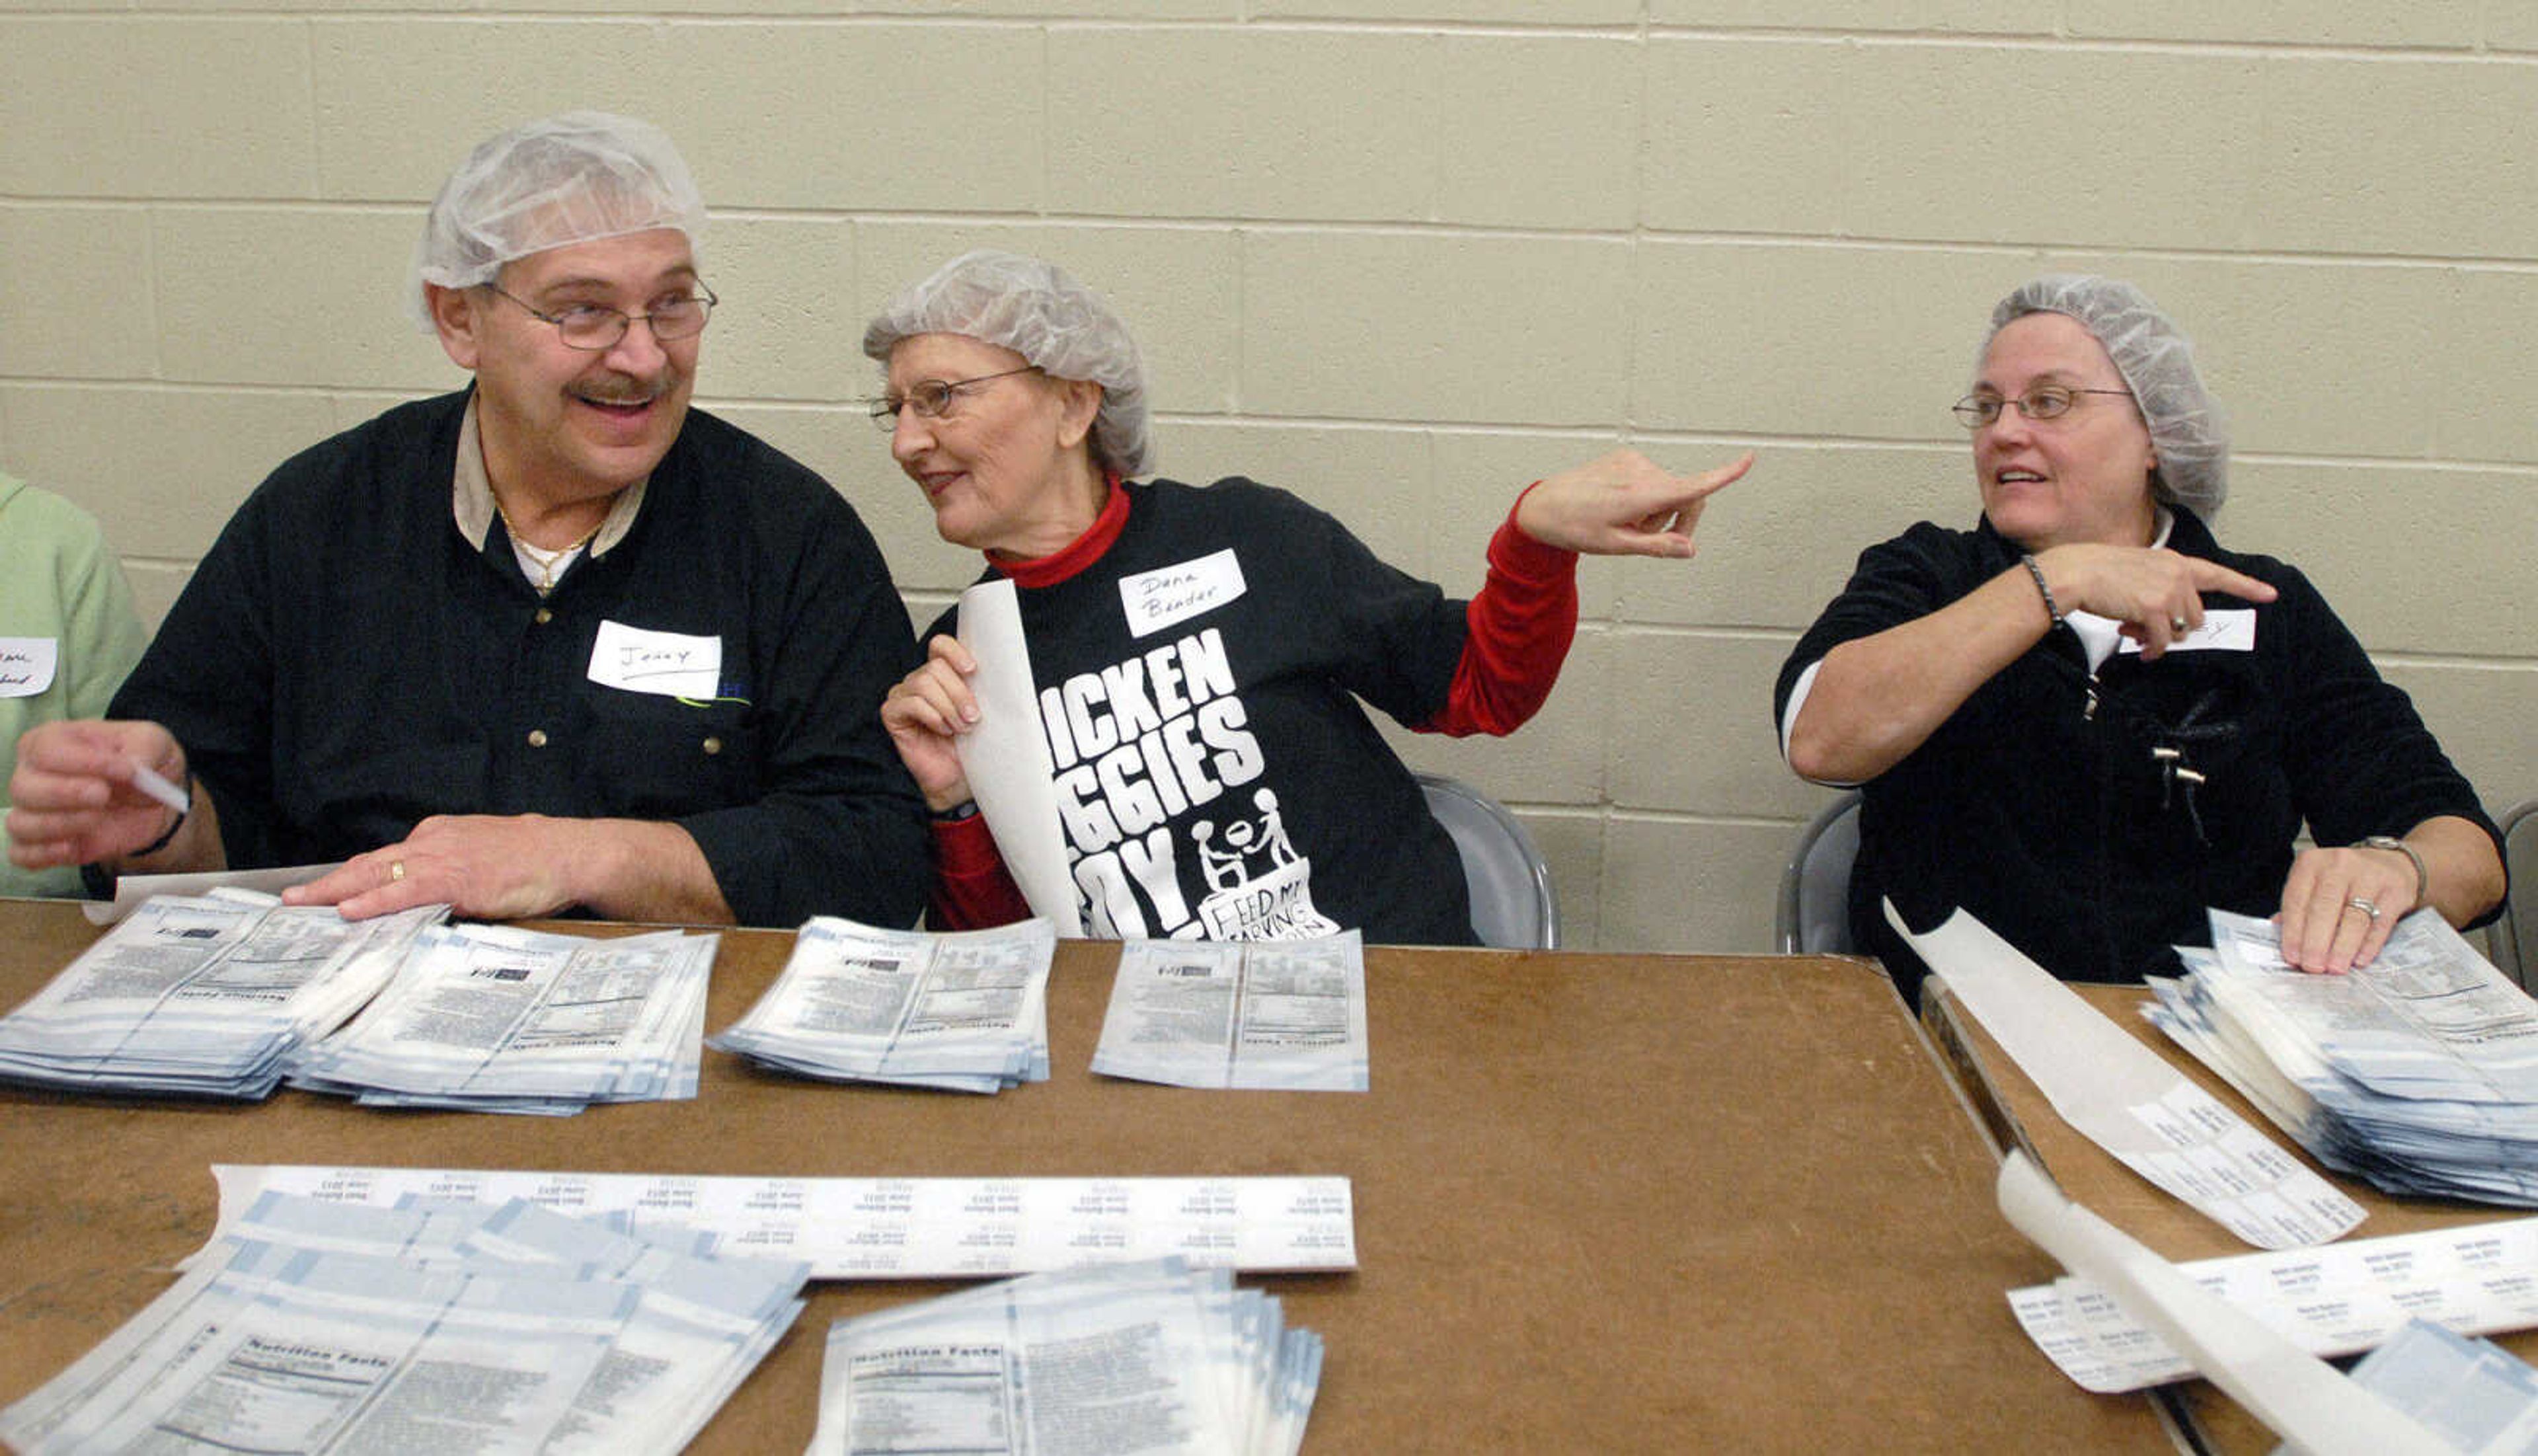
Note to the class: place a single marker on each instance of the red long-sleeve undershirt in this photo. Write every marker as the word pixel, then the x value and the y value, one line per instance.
pixel 1516 634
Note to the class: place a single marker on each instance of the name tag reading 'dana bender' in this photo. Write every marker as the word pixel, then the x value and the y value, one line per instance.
pixel 2232 630
pixel 27 664
pixel 671 664
pixel 1154 600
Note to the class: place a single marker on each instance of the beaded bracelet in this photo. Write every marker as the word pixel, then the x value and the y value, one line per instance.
pixel 2036 572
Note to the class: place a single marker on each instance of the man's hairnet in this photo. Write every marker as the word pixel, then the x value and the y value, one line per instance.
pixel 2186 426
pixel 1038 310
pixel 577 177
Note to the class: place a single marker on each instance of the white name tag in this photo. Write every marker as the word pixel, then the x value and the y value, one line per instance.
pixel 26 665
pixel 1154 600
pixel 671 664
pixel 2231 631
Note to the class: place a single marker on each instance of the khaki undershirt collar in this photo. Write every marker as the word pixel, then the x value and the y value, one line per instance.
pixel 471 498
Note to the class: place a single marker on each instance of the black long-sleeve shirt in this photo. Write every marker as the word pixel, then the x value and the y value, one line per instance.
pixel 2051 805
pixel 345 663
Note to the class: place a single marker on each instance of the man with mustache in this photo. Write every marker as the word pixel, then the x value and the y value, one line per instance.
pixel 556 642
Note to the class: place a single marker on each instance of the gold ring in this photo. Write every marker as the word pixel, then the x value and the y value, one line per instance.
pixel 2176 623
pixel 396 870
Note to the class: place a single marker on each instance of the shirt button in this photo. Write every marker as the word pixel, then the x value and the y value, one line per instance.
pixel 543 617
pixel 537 737
pixel 713 745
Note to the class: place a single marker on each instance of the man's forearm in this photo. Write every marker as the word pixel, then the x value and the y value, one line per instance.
pixel 647 870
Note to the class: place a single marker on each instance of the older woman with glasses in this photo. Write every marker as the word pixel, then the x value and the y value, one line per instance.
pixel 2084 721
pixel 1200 654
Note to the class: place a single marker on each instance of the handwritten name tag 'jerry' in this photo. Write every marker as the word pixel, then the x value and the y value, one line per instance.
pixel 1154 600
pixel 26 665
pixel 671 664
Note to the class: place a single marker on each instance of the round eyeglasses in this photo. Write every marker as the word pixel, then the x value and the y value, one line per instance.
pixel 596 328
pixel 932 398
pixel 2045 402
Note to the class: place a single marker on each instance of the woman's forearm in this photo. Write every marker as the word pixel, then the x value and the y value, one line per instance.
pixel 1877 698
pixel 2462 873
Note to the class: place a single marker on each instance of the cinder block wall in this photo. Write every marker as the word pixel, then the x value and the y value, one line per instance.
pixel 1401 256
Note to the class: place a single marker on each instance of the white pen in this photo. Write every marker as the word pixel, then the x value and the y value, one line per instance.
pixel 149 781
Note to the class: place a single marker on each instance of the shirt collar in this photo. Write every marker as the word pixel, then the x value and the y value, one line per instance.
pixel 1075 556
pixel 471 495
pixel 2101 635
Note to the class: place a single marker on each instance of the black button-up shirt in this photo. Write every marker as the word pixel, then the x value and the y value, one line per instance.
pixel 345 663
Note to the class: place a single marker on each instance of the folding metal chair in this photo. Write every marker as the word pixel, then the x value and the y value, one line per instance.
pixel 1814 917
pixel 2515 934
pixel 1512 902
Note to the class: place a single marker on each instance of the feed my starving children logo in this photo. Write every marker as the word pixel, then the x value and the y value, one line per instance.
pixel 1156 768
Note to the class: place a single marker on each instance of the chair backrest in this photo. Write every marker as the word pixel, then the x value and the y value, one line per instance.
pixel 1512 903
pixel 2516 931
pixel 1814 917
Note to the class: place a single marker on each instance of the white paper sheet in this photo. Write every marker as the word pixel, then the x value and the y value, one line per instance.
pixel 2298 1396
pixel 896 1227
pixel 2126 1099
pixel 132 890
pixel 1006 761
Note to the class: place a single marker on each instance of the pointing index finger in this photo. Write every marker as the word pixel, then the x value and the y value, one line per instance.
pixel 2213 576
pixel 1677 493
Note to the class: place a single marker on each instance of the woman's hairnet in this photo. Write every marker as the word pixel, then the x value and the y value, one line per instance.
pixel 1038 310
pixel 576 178
pixel 2186 426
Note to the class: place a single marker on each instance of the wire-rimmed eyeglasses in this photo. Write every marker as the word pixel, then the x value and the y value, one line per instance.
pixel 597 327
pixel 930 398
pixel 2044 402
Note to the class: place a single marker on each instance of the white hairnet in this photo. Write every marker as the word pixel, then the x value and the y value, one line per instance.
pixel 1039 311
pixel 2186 426
pixel 576 178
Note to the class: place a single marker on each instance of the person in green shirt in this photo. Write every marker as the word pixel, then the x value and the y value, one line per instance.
pixel 68 636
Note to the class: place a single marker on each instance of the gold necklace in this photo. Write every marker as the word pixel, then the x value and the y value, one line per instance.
pixel 545 559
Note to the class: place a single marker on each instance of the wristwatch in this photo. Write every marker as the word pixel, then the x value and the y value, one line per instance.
pixel 2423 877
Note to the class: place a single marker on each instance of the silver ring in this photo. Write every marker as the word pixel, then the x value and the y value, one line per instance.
pixel 396 871
pixel 2365 907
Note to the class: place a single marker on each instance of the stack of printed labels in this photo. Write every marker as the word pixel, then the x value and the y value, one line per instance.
pixel 1239 1014
pixel 1152 1357
pixel 965 1011
pixel 311 1326
pixel 2418 1072
pixel 208 997
pixel 489 1018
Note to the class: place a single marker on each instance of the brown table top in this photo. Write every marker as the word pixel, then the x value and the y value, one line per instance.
pixel 2019 1116
pixel 1603 1202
